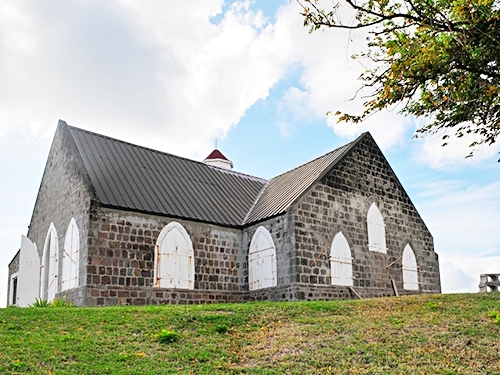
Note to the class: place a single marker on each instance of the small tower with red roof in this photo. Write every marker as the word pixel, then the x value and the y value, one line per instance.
pixel 217 159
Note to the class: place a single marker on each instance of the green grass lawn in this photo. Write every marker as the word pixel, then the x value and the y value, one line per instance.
pixel 428 334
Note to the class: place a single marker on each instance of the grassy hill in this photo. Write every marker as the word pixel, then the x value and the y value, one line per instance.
pixel 428 334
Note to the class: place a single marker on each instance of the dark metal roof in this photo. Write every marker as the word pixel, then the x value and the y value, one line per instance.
pixel 142 179
pixel 282 191
pixel 138 178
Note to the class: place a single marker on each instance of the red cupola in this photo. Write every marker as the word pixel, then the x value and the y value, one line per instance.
pixel 216 158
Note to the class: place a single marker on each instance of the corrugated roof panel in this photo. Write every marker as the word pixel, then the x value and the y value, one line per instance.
pixel 129 176
pixel 96 168
pixel 122 173
pixel 169 203
pixel 139 175
pixel 151 179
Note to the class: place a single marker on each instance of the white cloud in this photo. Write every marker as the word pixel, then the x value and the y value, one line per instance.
pixel 118 66
pixel 158 66
pixel 467 215
pixel 285 128
pixel 463 219
pixel 329 79
pixel 462 274
pixel 455 280
pixel 452 156
pixel 295 103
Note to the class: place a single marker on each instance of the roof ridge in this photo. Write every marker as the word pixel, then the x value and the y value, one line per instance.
pixel 321 156
pixel 250 210
pixel 224 170
pixel 163 152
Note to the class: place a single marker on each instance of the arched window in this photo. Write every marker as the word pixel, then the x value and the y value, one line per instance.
pixel 70 257
pixel 50 265
pixel 174 258
pixel 261 260
pixel 376 230
pixel 340 261
pixel 410 270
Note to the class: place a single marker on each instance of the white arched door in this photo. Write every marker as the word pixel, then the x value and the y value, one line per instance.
pixel 50 265
pixel 174 258
pixel 410 269
pixel 341 261
pixel 376 230
pixel 70 257
pixel 262 260
pixel 28 285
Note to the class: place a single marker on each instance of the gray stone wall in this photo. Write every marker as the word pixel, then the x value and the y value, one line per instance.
pixel 120 265
pixel 13 268
pixel 300 292
pixel 121 260
pixel 340 202
pixel 64 193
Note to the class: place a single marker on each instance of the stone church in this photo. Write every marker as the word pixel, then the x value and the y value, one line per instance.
pixel 115 223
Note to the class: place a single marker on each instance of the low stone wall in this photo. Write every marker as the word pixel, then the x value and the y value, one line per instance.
pixel 112 295
pixel 115 295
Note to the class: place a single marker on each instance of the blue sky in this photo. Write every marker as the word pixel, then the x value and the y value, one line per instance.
pixel 177 75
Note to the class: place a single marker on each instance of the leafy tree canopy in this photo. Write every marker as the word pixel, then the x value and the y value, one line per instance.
pixel 438 58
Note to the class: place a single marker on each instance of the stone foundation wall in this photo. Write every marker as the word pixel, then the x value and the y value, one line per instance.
pixel 109 295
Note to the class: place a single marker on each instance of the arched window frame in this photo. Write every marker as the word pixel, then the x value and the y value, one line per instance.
pixel 70 257
pixel 409 269
pixel 376 230
pixel 262 260
pixel 174 261
pixel 49 285
pixel 341 261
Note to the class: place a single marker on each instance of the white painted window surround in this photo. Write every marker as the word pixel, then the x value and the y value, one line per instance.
pixel 50 265
pixel 410 269
pixel 261 260
pixel 376 230
pixel 174 258
pixel 70 257
pixel 341 261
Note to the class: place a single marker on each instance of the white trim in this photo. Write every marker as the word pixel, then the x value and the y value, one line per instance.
pixel 221 163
